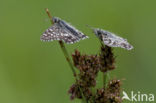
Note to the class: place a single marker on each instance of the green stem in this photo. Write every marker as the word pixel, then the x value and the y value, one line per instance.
pixel 104 73
pixel 67 57
pixel 84 100
pixel 104 80
pixel 63 48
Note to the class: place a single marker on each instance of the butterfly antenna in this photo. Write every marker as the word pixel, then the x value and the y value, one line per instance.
pixel 90 27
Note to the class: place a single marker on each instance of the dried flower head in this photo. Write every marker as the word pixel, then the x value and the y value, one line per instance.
pixel 75 92
pixel 88 67
pixel 114 86
pixel 107 59
pixel 109 95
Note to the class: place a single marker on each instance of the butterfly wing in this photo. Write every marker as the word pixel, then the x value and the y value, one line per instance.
pixel 73 30
pixel 116 41
pixel 112 40
pixel 56 32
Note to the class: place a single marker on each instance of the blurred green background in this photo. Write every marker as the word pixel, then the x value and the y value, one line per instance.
pixel 32 71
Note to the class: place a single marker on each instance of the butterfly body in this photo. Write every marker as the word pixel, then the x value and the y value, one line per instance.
pixel 112 40
pixel 61 30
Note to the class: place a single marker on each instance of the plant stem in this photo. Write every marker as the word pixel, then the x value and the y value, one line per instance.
pixel 67 57
pixel 63 48
pixel 104 80
pixel 104 73
pixel 49 15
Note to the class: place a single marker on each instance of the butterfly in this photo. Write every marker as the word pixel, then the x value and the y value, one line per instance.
pixel 112 40
pixel 63 31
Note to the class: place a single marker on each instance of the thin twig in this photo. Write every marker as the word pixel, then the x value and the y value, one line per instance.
pixel 104 80
pixel 67 57
pixel 104 73
pixel 63 48
pixel 49 15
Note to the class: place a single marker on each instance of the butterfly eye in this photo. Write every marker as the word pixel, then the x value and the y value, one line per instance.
pixel 55 19
pixel 99 32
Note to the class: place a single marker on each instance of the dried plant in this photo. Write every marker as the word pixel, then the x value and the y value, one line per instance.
pixel 89 66
pixel 107 59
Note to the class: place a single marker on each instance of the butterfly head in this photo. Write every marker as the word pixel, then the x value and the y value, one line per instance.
pixel 99 33
pixel 55 19
pixel 96 31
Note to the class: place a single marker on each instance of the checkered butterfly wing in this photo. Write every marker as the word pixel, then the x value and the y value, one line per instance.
pixel 113 40
pixel 56 32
